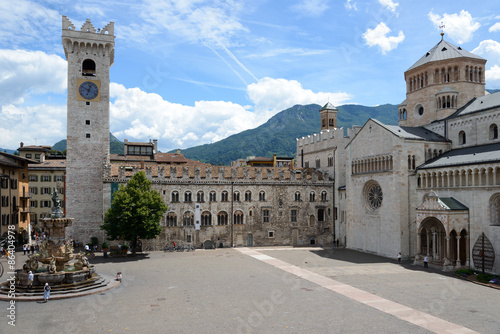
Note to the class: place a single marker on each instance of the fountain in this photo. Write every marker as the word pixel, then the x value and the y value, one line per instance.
pixel 56 264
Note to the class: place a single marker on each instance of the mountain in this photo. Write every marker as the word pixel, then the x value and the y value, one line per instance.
pixel 7 150
pixel 278 135
pixel 115 145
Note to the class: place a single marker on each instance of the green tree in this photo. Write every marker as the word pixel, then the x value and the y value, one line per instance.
pixel 135 212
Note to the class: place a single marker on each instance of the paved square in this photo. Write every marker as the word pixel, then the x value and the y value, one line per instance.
pixel 274 290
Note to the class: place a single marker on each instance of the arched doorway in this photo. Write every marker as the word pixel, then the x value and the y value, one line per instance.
pixel 431 239
pixel 463 248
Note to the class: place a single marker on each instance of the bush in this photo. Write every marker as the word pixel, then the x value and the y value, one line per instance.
pixel 485 278
pixel 125 248
pixel 464 272
pixel 105 245
pixel 94 241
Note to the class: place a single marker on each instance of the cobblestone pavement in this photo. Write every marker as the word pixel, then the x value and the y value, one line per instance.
pixel 274 290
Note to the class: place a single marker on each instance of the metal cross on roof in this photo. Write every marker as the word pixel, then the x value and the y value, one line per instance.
pixel 442 29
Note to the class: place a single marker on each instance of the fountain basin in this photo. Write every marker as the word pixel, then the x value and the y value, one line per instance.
pixel 56 278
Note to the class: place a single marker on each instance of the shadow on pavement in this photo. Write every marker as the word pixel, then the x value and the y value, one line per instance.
pixel 119 259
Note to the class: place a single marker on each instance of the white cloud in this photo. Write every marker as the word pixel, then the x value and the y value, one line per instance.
pixel 389 4
pixel 273 95
pixel 42 125
pixel 490 50
pixel 378 37
pixel 24 73
pixel 310 7
pixel 493 74
pixel 137 115
pixel 495 27
pixel 350 4
pixel 460 27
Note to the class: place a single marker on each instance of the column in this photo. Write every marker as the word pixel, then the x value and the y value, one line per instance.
pixel 434 245
pixel 458 263
pixel 428 236
pixel 419 244
pixel 447 257
pixel 467 249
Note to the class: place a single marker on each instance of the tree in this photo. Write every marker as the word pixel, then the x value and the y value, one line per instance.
pixel 135 212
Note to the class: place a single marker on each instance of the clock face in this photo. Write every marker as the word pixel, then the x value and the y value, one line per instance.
pixel 88 90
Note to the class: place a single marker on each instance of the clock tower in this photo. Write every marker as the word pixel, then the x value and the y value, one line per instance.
pixel 90 54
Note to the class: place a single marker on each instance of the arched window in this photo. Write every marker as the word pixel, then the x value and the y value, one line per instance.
pixel 222 218
pixel 175 196
pixel 171 219
pixel 248 196
pixel 495 210
pixel 225 196
pixel 213 196
pixel 88 67
pixel 236 196
pixel 462 138
pixel 297 196
pixel 238 218
pixel 206 218
pixel 262 196
pixel 188 219
pixel 323 196
pixel 188 196
pixel 200 197
pixel 312 197
pixel 493 131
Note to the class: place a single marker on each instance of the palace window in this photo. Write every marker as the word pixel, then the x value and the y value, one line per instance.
pixel 265 216
pixel 373 195
pixel 312 197
pixel 222 218
pixel 236 196
pixel 206 218
pixel 213 196
pixel 238 217
pixel 462 140
pixel 293 215
pixel 297 196
pixel 495 210
pixel 200 197
pixel 493 131
pixel 175 197
pixel 225 196
pixel 171 219
pixel 248 196
pixel 323 196
pixel 188 219
pixel 188 196
pixel 262 196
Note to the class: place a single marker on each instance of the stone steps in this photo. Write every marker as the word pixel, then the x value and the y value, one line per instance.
pixel 93 283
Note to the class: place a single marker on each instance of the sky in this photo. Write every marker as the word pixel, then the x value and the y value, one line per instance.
pixel 193 72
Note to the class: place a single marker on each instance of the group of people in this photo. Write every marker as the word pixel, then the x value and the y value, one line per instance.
pixel 46 287
pixel 30 248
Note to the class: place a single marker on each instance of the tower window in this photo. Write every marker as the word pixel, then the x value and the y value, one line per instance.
pixel 88 67
pixel 87 122
pixel 87 135
pixel 87 103
pixel 493 131
pixel 462 138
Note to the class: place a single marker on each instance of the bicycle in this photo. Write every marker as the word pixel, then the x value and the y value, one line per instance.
pixel 1 269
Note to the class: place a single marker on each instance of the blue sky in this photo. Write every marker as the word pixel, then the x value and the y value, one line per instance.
pixel 191 72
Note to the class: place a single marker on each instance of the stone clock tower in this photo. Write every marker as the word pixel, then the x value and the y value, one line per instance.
pixel 90 54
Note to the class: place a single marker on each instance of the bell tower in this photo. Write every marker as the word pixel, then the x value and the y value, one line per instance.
pixel 90 54
pixel 328 116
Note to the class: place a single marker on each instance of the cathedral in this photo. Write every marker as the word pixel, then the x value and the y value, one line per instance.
pixel 428 187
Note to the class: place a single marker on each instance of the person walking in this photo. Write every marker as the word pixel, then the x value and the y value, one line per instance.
pixel 426 262
pixel 24 249
pixel 30 280
pixel 399 258
pixel 46 292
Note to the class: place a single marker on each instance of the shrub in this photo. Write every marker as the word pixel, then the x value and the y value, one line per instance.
pixel 94 241
pixel 105 245
pixel 464 272
pixel 484 278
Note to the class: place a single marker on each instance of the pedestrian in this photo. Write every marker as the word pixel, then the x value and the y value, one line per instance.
pixel 32 247
pixel 30 280
pixel 46 292
pixel 119 276
pixel 426 262
pixel 399 258
pixel 24 249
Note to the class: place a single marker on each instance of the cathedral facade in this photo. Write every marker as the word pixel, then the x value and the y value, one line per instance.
pixel 428 187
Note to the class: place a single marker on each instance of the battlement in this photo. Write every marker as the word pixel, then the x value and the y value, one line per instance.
pixel 89 39
pixel 328 136
pixel 219 174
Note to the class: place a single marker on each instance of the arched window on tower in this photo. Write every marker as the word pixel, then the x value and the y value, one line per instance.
pixel 493 131
pixel 88 68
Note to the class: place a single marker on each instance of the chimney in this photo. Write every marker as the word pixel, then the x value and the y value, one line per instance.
pixel 125 144
pixel 22 144
pixel 155 146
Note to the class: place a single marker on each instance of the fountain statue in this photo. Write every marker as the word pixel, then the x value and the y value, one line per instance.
pixel 55 253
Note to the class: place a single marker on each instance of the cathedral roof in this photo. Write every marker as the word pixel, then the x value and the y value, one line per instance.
pixel 466 156
pixel 451 203
pixel 481 103
pixel 442 51
pixel 416 133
